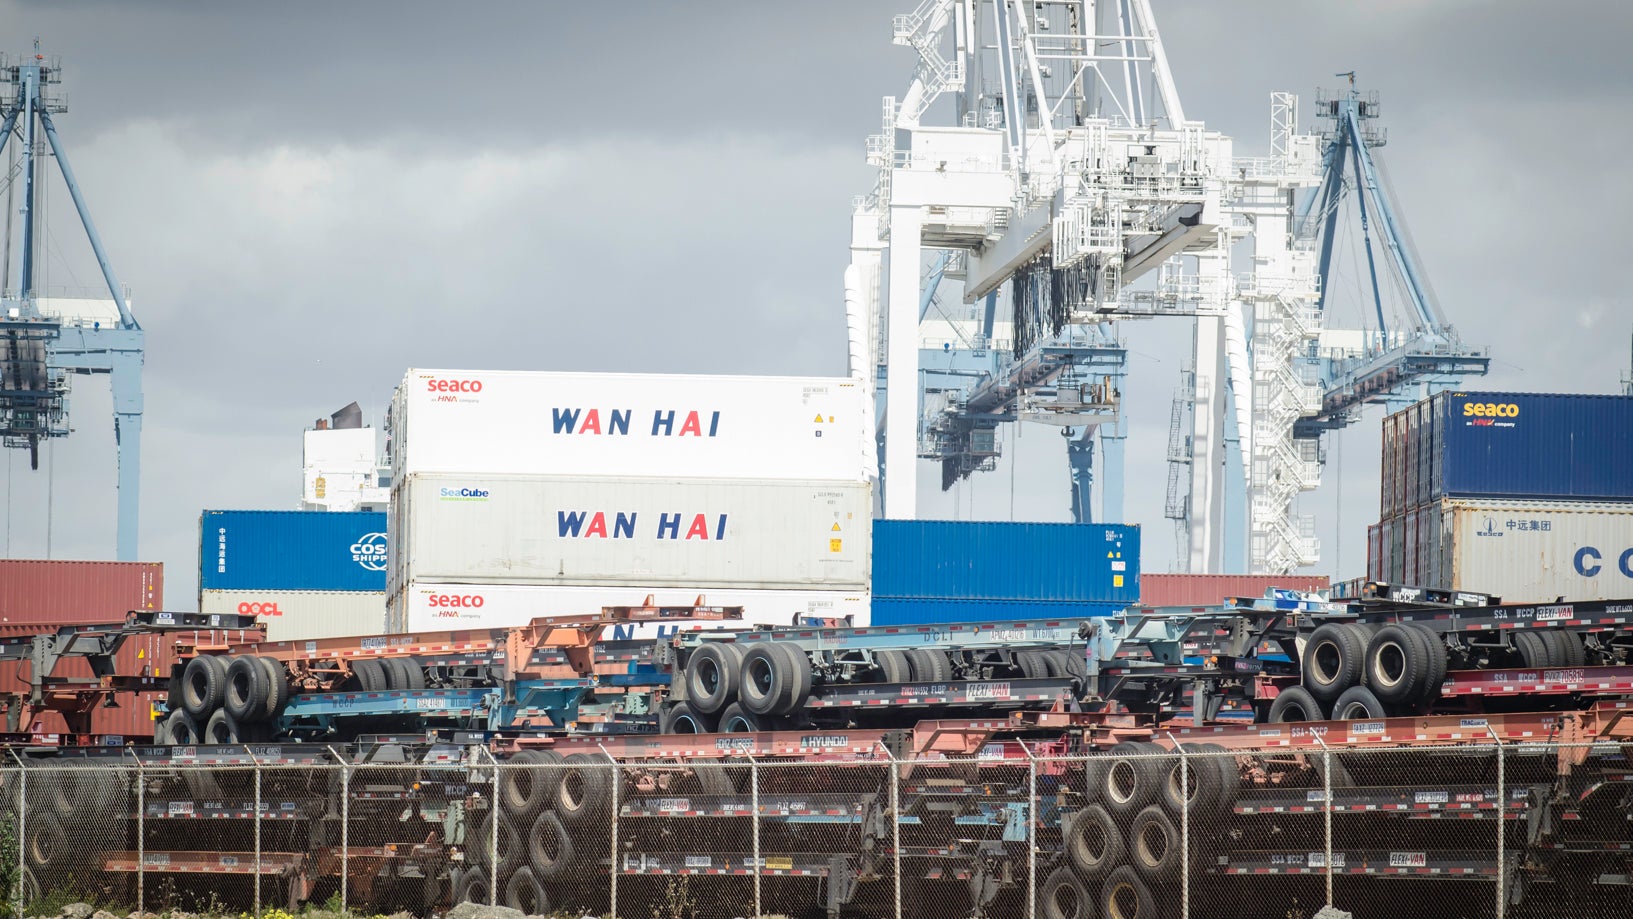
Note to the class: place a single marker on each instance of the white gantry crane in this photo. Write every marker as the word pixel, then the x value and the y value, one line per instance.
pixel 1043 158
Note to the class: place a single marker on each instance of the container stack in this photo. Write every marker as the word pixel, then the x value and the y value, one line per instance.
pixel 307 574
pixel 40 596
pixel 1525 495
pixel 928 571
pixel 517 495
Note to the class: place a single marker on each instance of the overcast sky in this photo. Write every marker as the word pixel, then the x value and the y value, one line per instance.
pixel 307 200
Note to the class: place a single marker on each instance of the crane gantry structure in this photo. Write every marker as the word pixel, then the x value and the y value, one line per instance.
pixel 45 338
pixel 1043 150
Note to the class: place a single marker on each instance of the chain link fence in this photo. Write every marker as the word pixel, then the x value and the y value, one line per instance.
pixel 1137 831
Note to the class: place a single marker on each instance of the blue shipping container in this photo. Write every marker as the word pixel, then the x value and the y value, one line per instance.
pixel 1530 445
pixel 1084 563
pixel 292 550
pixel 896 611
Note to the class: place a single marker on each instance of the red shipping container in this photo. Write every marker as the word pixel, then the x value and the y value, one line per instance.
pixel 39 596
pixel 1211 589
pixel 73 593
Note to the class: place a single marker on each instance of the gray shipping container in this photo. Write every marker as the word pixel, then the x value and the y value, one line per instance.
pixel 1523 551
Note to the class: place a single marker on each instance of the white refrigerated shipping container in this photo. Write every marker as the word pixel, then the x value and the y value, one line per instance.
pixel 1531 552
pixel 442 607
pixel 485 422
pixel 696 533
pixel 296 614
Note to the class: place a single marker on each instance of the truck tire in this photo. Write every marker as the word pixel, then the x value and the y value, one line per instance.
pixel 737 720
pixel 278 689
pixel 1154 845
pixel 1554 640
pixel 247 689
pixel 1069 664
pixel 404 674
pixel 1031 664
pixel 1125 896
pixel 471 887
pixel 1575 654
pixel 1334 660
pixel 799 687
pixel 1358 703
pixel 222 729
pixel 523 892
pixel 203 683
pixel 1133 777
pixel 1397 664
pixel 369 675
pixel 1229 773
pixel 1203 789
pixel 776 679
pixel 764 681
pixel 549 848
pixel 1434 646
pixel 1295 704
pixel 682 718
pixel 1532 650
pixel 524 785
pixel 1065 897
pixel 893 667
pixel 1094 842
pixel 712 675
pixel 178 729
pixel 929 665
pixel 585 790
pixel 510 849
pixel 172 695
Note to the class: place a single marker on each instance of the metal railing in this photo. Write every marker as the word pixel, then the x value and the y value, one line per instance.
pixel 1139 831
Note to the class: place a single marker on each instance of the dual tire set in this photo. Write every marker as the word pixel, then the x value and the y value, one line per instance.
pixel 1359 671
pixel 225 700
pixel 549 806
pixel 1124 851
pixel 734 688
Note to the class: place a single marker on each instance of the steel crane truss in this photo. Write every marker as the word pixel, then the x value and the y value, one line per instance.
pixel 39 343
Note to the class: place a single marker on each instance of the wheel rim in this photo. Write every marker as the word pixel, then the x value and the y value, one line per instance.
pixel 549 849
pixel 1093 842
pixel 708 673
pixel 736 724
pixel 1389 667
pixel 198 686
pixel 1325 662
pixel 1121 782
pixel 572 790
pixel 759 675
pixel 1067 902
pixel 1153 844
pixel 1124 902
pixel 685 724
pixel 1190 782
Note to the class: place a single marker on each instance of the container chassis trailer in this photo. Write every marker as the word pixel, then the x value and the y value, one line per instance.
pixel 996 790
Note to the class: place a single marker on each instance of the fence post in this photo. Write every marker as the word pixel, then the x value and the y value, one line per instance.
pixel 345 826
pixel 1326 809
pixel 493 832
pixel 1185 829
pixel 255 763
pixel 754 828
pixel 895 827
pixel 612 865
pixel 1031 832
pixel 22 829
pixel 141 835
pixel 1502 817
